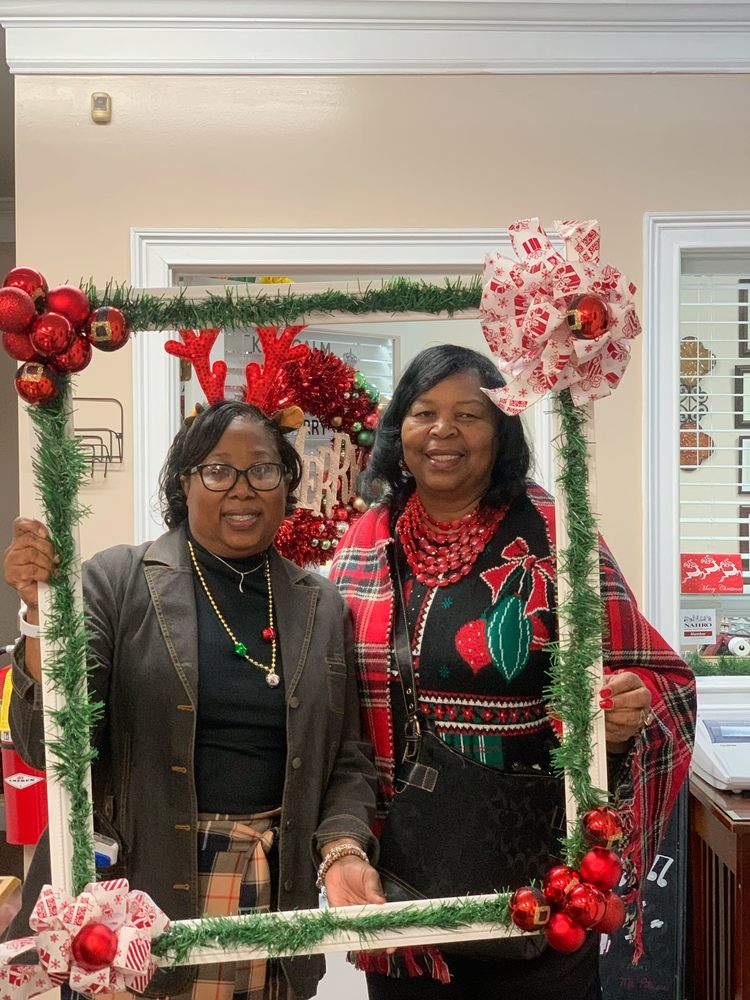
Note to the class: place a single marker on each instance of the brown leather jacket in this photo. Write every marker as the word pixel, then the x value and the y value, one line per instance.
pixel 142 617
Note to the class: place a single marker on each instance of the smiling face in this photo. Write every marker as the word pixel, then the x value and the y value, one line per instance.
pixel 241 521
pixel 449 437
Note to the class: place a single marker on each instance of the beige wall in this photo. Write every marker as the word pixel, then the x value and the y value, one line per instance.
pixel 370 152
pixel 8 464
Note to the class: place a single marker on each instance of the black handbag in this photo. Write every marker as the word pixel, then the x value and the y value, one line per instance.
pixel 457 827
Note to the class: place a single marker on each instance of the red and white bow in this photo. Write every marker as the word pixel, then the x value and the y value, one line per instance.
pixel 525 308
pixel 99 942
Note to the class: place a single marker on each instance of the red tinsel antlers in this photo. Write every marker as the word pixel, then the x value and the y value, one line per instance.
pixel 197 350
pixel 277 353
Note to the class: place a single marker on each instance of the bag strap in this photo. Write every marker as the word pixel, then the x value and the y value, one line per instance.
pixel 406 715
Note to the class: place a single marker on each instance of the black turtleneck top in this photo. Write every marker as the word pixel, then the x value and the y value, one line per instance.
pixel 240 748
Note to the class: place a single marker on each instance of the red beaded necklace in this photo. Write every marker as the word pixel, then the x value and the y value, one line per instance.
pixel 443 552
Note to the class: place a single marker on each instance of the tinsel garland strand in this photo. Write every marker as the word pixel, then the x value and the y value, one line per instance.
pixel 59 469
pixel 571 686
pixel 234 309
pixel 300 932
pixel 719 666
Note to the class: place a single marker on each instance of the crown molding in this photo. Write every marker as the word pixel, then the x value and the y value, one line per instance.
pixel 345 37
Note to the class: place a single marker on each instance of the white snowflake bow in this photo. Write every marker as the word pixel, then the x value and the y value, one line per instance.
pixel 524 316
pixel 132 917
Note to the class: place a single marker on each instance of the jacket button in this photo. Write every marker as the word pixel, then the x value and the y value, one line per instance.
pixel 289 824
pixel 294 701
pixel 288 885
pixel 296 763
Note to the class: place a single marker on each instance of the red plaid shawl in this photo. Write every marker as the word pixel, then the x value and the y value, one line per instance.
pixel 661 753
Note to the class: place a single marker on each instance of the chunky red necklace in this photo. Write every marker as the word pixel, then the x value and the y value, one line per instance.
pixel 443 552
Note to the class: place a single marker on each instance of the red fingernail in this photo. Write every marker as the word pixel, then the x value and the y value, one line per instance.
pixel 605 692
pixel 606 703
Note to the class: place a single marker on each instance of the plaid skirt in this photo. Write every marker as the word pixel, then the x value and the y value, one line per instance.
pixel 238 872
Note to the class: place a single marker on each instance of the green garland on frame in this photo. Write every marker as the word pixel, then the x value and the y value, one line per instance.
pixel 571 686
pixel 59 469
pixel 300 932
pixel 235 309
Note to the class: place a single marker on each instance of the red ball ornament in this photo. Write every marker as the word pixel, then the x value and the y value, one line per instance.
pixel 76 358
pixel 94 947
pixel 563 934
pixel 269 633
pixel 340 513
pixel 37 383
pixel 588 317
pixel 19 346
pixel 614 914
pixel 107 329
pixel 51 334
pixel 529 910
pixel 70 302
pixel 585 905
pixel 370 421
pixel 558 882
pixel 29 280
pixel 17 310
pixel 603 826
pixel 602 868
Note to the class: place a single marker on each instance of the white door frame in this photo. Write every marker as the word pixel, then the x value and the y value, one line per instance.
pixel 666 238
pixel 158 254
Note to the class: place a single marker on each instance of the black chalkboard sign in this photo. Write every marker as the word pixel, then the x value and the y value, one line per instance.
pixel 660 973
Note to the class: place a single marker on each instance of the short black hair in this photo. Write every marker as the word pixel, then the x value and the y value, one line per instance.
pixel 197 438
pixel 384 478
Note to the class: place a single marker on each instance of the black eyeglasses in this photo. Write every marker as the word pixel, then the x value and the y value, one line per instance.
pixel 219 478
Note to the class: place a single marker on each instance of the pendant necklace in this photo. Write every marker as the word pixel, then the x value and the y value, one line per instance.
pixel 268 633
pixel 240 573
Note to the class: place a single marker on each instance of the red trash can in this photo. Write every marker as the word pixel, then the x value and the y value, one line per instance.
pixel 24 788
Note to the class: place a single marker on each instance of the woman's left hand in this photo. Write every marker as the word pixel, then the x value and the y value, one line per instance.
pixel 350 881
pixel 626 703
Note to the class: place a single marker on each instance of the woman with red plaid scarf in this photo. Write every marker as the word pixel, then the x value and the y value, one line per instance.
pixel 474 541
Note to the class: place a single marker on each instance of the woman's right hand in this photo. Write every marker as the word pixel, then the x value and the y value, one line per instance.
pixel 29 559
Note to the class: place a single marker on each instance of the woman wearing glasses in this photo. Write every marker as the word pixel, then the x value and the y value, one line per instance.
pixel 230 758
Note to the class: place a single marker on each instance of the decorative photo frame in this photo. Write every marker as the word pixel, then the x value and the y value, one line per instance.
pixel 742 397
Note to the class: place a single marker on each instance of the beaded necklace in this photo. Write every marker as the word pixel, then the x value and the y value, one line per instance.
pixel 443 552
pixel 268 633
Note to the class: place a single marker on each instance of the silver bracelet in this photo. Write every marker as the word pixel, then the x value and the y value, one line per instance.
pixel 334 855
pixel 26 628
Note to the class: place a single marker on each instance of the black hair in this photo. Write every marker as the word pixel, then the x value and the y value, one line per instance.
pixel 198 437
pixel 385 479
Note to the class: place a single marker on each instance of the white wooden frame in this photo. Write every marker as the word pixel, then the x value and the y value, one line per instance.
pixel 158 254
pixel 666 237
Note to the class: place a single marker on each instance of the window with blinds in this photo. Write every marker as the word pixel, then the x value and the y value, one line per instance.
pixel 715 437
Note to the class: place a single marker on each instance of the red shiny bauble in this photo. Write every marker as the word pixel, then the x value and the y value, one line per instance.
pixel 70 302
pixel 529 910
pixel 563 934
pixel 602 826
pixel 19 346
pixel 614 914
pixel 37 383
pixel 588 317
pixel 107 329
pixel 17 310
pixel 370 421
pixel 558 882
pixel 76 358
pixel 602 868
pixel 269 633
pixel 585 905
pixel 51 334
pixel 29 280
pixel 94 947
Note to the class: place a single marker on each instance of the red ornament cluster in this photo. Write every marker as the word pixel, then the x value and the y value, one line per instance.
pixel 52 331
pixel 310 539
pixel 572 902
